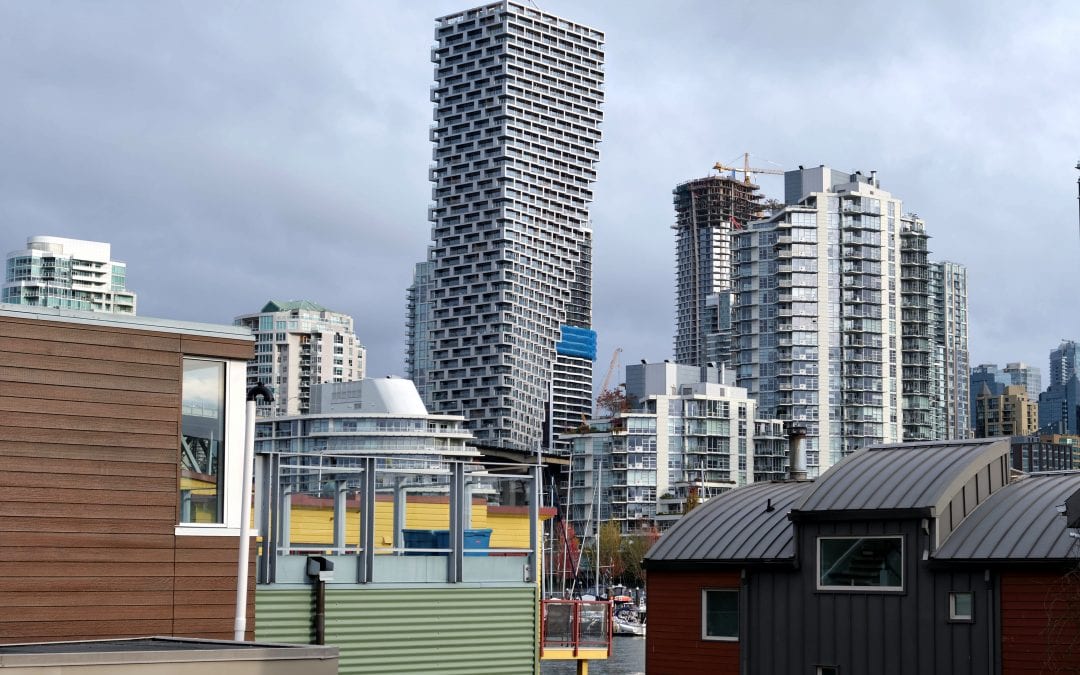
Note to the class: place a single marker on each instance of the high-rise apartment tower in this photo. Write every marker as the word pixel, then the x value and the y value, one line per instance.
pixel 949 330
pixel 67 274
pixel 843 325
pixel 816 325
pixel 500 322
pixel 298 344
pixel 707 211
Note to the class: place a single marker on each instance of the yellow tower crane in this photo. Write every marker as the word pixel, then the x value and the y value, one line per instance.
pixel 746 169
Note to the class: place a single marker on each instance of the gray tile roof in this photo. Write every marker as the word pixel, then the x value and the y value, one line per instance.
pixel 734 526
pixel 906 476
pixel 1018 522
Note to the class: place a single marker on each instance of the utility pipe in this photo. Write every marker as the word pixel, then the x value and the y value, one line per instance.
pixel 240 622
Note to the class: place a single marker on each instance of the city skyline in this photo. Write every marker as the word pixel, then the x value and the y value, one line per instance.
pixel 230 156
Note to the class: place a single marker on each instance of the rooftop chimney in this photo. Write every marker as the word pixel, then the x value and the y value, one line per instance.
pixel 796 459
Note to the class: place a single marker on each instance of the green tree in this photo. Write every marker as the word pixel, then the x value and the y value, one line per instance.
pixel 611 560
pixel 633 550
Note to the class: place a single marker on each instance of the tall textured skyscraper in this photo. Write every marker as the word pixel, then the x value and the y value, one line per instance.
pixel 707 211
pixel 500 331
pixel 67 274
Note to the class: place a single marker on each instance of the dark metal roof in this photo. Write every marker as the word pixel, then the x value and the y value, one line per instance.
pixel 734 526
pixel 1018 522
pixel 905 476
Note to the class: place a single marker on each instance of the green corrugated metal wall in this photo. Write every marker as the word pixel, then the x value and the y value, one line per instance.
pixel 460 630
pixel 284 615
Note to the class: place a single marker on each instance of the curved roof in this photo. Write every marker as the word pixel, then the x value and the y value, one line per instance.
pixel 737 525
pixel 905 476
pixel 1018 522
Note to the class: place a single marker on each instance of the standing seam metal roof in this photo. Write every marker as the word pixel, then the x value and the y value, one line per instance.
pixel 735 526
pixel 1018 522
pixel 901 476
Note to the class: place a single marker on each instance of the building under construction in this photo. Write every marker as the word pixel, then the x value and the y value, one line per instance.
pixel 707 210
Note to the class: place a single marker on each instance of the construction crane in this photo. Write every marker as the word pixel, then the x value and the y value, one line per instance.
pixel 608 399
pixel 747 169
pixel 611 369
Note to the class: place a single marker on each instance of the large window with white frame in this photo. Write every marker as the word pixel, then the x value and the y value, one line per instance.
pixel 870 563
pixel 202 442
pixel 720 614
pixel 211 446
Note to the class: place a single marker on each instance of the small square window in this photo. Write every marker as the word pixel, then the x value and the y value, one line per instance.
pixel 961 606
pixel 827 670
pixel 719 614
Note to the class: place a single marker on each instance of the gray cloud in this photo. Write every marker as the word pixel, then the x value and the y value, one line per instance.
pixel 238 152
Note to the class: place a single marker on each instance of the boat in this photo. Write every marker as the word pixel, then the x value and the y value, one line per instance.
pixel 627 619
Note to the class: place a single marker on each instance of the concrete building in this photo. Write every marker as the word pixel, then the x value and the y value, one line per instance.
pixel 921 360
pixel 372 416
pixel 817 327
pixel 996 379
pixel 67 274
pixel 951 393
pixel 707 211
pixel 688 429
pixel 517 99
pixel 1047 452
pixel 990 376
pixel 298 344
pixel 1011 413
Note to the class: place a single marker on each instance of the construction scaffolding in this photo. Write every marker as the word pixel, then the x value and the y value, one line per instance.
pixel 707 213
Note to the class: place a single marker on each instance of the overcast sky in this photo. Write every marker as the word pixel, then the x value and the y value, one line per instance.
pixel 234 152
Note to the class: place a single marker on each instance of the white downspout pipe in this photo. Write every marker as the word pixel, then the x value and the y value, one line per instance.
pixel 240 622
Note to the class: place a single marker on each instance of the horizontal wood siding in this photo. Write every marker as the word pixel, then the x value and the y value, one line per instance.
pixel 89 438
pixel 204 592
pixel 673 644
pixel 1040 622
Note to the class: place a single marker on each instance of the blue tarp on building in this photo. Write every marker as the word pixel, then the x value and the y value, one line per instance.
pixel 580 342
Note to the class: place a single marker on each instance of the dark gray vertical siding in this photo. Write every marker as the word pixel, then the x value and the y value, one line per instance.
pixel 792 627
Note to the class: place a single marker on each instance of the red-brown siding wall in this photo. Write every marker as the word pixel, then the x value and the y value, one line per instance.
pixel 1040 623
pixel 89 470
pixel 673 644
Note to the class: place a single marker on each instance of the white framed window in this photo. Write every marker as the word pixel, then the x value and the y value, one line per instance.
pixel 211 446
pixel 720 614
pixel 961 606
pixel 827 670
pixel 871 563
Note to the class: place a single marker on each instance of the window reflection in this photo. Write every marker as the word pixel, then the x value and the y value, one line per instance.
pixel 202 450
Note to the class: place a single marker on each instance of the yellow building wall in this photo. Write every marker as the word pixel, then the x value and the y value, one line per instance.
pixel 314 524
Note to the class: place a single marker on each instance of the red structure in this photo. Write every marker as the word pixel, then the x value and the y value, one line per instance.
pixel 1040 622
pixel 677 598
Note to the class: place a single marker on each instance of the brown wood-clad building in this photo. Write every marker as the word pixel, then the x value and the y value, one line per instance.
pixel 114 520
